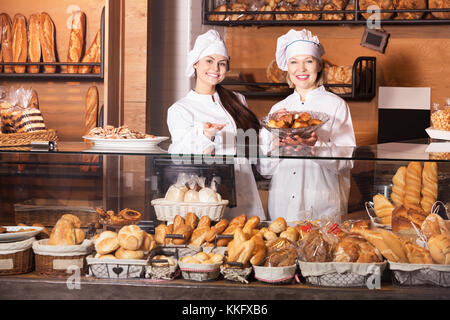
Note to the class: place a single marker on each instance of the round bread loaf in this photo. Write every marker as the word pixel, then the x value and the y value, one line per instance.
pixel 129 254
pixel 131 237
pixel 107 245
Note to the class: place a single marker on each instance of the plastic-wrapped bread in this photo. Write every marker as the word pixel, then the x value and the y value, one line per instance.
pixel 76 42
pixel 47 38
pixel 6 44
pixel 177 191
pixel 398 188
pixel 413 186
pixel 20 42
pixel 429 186
pixel 34 44
pixel 91 55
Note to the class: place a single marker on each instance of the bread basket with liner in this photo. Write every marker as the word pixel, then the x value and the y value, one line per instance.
pixel 275 275
pixel 58 260
pixel 16 257
pixel 168 210
pixel 235 271
pixel 407 274
pixel 116 268
pixel 162 269
pixel 340 274
pixel 24 139
pixel 199 272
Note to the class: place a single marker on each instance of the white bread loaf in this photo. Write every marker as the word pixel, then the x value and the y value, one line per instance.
pixel 131 237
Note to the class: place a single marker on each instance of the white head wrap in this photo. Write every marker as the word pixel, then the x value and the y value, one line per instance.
pixel 296 43
pixel 206 44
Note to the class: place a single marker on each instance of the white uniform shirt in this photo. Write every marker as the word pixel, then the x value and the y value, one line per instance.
pixel 311 188
pixel 186 119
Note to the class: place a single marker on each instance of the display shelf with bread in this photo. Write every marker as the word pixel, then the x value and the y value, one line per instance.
pixel 333 12
pixel 356 82
pixel 36 58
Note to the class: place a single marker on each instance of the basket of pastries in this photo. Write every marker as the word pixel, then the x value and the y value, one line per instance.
pixel 424 261
pixel 332 256
pixel 117 220
pixel 65 250
pixel 162 264
pixel 190 194
pixel 288 124
pixel 121 255
pixel 21 121
pixel 201 266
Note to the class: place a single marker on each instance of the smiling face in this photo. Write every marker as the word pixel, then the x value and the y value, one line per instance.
pixel 211 70
pixel 303 71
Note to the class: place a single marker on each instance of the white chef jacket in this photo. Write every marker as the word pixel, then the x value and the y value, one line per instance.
pixel 186 119
pixel 303 189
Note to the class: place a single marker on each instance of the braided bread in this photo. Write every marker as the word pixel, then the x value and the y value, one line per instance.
pixel 413 186
pixel 429 186
pixel 398 189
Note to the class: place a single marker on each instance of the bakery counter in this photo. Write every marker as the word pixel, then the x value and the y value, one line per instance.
pixel 34 287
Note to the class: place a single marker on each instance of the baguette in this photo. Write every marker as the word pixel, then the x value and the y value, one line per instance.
pixel 47 39
pixel 98 56
pixel 398 188
pixel 7 41
pixel 413 186
pixel 91 109
pixel 34 44
pixel 76 42
pixel 429 186
pixel 20 42
pixel 91 55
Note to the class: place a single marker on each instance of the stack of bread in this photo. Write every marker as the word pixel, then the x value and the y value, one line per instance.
pixel 414 191
pixel 67 232
pixel 131 242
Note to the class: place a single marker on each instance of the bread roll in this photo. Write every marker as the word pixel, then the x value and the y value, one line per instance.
pixel 76 42
pixel 107 245
pixel 439 246
pixel 260 251
pixel 34 44
pixel 413 186
pixel 105 235
pixel 131 237
pixel 398 188
pixel 47 38
pixel 72 218
pixel 91 54
pixel 7 41
pixel 185 231
pixel 160 233
pixel 199 236
pixel 191 220
pixel 429 186
pixel 20 41
pixel 416 254
pixel 382 206
pixel 63 234
pixel 278 226
pixel 148 244
pixel 251 224
pixel 122 253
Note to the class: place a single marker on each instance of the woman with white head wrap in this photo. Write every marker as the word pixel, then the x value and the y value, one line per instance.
pixel 312 188
pixel 209 117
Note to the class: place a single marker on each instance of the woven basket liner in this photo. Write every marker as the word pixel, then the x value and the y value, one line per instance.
pixel 23 139
pixel 23 262
pixel 44 265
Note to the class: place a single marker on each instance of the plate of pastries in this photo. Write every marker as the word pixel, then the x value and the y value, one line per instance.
pixel 18 233
pixel 284 124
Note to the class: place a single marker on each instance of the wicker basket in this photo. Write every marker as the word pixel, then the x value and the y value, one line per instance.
pixel 24 139
pixel 405 274
pixel 116 268
pixel 200 272
pixel 168 210
pixel 60 260
pixel 17 262
pixel 275 275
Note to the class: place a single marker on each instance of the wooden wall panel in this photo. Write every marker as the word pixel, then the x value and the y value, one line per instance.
pixel 416 56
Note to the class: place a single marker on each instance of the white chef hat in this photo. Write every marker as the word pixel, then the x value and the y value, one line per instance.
pixel 206 44
pixel 296 43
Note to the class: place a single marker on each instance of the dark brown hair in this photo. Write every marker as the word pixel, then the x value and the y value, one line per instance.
pixel 243 117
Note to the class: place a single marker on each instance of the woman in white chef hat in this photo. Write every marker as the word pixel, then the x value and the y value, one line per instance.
pixel 312 188
pixel 209 117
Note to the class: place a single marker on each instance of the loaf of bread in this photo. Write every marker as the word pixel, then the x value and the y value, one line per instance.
pixel 76 41
pixel 191 220
pixel 107 245
pixel 34 102
pixel 67 231
pixel 429 186
pixel 434 225
pixel 34 44
pixel 250 225
pixel 356 249
pixel 398 188
pixel 20 41
pixel 409 4
pixel 381 4
pixel 148 244
pixel 259 252
pixel 237 222
pixel 416 254
pixel 91 109
pixel 216 230
pixel 91 54
pixel 199 236
pixel 7 41
pixel 131 237
pixel 439 246
pixel 413 186
pixel 47 38
pixel 439 4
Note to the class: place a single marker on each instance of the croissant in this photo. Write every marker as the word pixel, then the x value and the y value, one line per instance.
pixel 398 189
pixel 413 186
pixel 429 186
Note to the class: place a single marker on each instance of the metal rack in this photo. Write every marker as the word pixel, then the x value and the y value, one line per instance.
pixel 363 84
pixel 59 75
pixel 209 6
